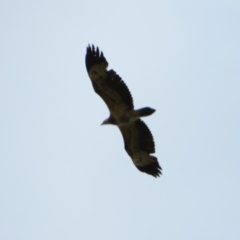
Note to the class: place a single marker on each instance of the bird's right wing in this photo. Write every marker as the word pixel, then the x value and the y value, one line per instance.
pixel 107 84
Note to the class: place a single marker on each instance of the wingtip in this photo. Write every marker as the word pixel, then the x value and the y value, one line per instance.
pixel 153 168
pixel 94 56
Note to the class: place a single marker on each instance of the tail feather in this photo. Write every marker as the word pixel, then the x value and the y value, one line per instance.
pixel 146 111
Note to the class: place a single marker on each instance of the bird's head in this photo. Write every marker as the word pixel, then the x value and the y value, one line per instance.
pixel 109 120
pixel 105 122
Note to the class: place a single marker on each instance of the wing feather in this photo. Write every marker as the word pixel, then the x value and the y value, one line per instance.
pixel 117 85
pixel 145 138
pixel 94 57
pixel 107 84
pixel 139 143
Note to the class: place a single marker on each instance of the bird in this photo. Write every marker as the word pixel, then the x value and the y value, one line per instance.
pixel 138 139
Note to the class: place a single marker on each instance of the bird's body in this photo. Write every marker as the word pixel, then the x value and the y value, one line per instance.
pixel 138 140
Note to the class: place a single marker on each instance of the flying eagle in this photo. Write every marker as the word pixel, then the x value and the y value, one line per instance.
pixel 138 140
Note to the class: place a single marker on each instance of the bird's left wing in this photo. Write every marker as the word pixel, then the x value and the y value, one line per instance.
pixel 139 144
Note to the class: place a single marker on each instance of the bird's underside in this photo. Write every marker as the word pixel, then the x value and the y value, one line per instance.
pixel 138 140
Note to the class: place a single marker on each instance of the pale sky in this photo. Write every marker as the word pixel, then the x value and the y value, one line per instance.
pixel 63 176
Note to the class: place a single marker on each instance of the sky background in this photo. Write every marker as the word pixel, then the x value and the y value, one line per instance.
pixel 63 176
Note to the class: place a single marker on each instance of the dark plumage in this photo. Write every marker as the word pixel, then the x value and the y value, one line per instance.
pixel 138 140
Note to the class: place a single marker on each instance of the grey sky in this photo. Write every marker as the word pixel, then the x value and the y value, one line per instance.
pixel 62 176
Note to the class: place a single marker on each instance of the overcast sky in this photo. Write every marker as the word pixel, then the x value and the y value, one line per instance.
pixel 63 176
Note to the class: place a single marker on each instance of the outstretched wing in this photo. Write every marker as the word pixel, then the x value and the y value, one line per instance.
pixel 139 144
pixel 107 84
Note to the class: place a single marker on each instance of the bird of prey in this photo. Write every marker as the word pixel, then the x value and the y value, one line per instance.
pixel 138 140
